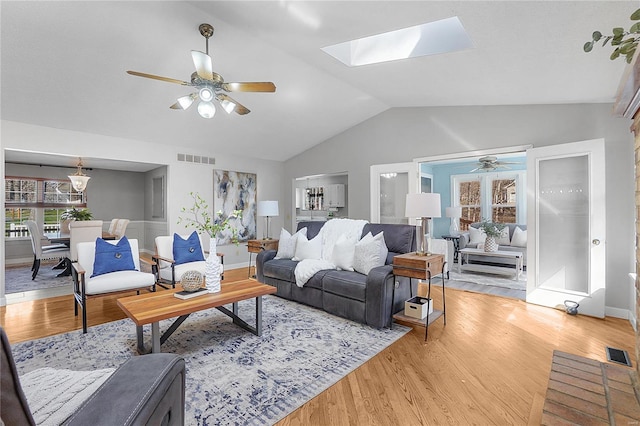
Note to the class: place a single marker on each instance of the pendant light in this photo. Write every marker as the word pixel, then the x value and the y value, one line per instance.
pixel 79 180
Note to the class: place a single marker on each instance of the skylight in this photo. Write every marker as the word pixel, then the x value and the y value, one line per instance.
pixel 443 36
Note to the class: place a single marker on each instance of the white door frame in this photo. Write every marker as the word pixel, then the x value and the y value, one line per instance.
pixel 593 301
pixel 374 178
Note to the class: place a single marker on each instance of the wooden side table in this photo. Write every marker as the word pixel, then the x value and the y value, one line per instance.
pixel 256 246
pixel 425 267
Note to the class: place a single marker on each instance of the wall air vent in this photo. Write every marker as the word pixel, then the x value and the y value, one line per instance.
pixel 198 159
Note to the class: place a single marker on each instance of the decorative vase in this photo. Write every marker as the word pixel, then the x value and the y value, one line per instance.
pixel 490 244
pixel 213 268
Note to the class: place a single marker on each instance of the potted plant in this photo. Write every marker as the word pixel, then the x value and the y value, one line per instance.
pixel 492 230
pixel 75 214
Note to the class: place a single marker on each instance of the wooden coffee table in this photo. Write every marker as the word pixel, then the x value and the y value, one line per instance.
pixel 151 308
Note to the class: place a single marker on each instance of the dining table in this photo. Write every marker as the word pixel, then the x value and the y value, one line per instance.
pixel 65 238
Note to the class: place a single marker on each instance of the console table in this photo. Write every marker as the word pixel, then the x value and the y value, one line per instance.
pixel 256 246
pixel 412 265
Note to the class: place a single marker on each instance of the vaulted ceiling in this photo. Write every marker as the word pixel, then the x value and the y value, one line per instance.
pixel 63 65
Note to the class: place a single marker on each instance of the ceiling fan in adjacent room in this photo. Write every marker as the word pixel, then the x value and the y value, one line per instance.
pixel 490 163
pixel 209 85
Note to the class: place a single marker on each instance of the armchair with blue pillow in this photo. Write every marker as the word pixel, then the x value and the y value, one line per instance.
pixel 107 267
pixel 178 254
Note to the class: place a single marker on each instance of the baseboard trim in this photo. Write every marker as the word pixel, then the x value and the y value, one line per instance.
pixel 617 312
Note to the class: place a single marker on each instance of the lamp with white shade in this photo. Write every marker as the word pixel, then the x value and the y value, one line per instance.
pixel 423 206
pixel 267 209
pixel 79 180
pixel 454 213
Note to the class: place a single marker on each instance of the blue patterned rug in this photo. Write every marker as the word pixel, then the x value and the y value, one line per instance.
pixel 18 278
pixel 233 376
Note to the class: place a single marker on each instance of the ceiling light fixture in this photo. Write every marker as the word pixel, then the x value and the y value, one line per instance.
pixel 79 180
pixel 206 109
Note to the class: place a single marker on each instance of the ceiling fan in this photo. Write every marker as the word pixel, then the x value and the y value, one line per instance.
pixel 490 163
pixel 210 85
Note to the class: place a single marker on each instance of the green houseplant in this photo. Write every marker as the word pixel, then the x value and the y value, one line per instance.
pixel 492 230
pixel 75 214
pixel 625 42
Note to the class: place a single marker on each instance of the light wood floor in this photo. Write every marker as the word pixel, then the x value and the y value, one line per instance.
pixel 489 365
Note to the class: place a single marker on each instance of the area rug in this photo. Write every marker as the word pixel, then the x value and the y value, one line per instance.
pixel 233 376
pixel 17 279
pixel 490 279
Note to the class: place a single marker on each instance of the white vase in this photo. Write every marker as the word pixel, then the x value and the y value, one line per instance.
pixel 213 268
pixel 490 244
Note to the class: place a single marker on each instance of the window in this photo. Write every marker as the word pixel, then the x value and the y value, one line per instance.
pixel 42 200
pixel 497 196
pixel 469 197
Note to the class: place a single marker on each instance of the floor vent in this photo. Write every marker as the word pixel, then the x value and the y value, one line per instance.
pixel 618 355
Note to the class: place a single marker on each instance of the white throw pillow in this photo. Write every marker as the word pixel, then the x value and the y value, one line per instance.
pixel 370 252
pixel 287 243
pixel 344 252
pixel 308 249
pixel 519 238
pixel 476 235
pixel 503 239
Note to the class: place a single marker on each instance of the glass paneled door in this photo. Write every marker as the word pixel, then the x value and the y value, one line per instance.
pixel 566 231
pixel 390 184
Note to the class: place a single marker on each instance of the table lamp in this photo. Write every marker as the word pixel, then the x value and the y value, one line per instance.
pixel 267 209
pixel 454 213
pixel 423 206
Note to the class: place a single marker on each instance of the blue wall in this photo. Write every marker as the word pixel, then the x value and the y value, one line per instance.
pixel 442 184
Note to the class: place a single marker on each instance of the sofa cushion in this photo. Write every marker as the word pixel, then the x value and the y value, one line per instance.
pixel 352 285
pixel 503 239
pixel 519 238
pixel 287 243
pixel 476 235
pixel 281 269
pixel 344 252
pixel 316 280
pixel 313 227
pixel 370 252
pixel 399 238
pixel 308 248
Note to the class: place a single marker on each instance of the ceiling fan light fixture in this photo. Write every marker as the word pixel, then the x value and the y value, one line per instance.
pixel 228 106
pixel 206 94
pixel 185 101
pixel 206 109
pixel 79 180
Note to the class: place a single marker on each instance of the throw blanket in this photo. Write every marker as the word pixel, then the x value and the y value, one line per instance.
pixel 54 395
pixel 329 234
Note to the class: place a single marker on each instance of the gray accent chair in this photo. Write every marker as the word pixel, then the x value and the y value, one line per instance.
pixel 362 298
pixel 464 243
pixel 145 390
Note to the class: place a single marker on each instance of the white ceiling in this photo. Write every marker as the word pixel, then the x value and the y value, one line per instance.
pixel 63 65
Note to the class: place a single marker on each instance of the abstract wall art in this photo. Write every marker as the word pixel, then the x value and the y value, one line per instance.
pixel 236 191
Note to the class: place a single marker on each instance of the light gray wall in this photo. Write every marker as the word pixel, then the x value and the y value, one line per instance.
pixel 160 172
pixel 110 193
pixel 402 134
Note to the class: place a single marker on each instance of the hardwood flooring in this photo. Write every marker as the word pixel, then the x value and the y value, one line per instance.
pixel 489 365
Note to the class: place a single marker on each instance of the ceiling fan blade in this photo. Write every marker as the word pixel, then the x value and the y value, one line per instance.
pixel 475 170
pixel 204 66
pixel 184 102
pixel 265 86
pixel 157 77
pixel 230 105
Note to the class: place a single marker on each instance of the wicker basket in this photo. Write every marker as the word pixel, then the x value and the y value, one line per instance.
pixel 191 280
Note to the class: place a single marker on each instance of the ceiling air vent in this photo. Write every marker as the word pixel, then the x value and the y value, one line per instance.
pixel 198 159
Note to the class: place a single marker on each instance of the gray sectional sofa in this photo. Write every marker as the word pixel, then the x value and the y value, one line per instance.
pixel 465 243
pixel 362 298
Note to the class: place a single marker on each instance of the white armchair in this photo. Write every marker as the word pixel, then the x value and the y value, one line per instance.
pixel 171 272
pixel 85 284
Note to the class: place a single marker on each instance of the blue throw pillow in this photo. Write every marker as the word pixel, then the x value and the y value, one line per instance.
pixel 189 250
pixel 112 257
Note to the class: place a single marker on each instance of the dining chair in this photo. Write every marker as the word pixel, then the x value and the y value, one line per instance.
pixel 113 225
pixel 42 250
pixel 64 226
pixel 83 231
pixel 106 267
pixel 168 269
pixel 120 228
